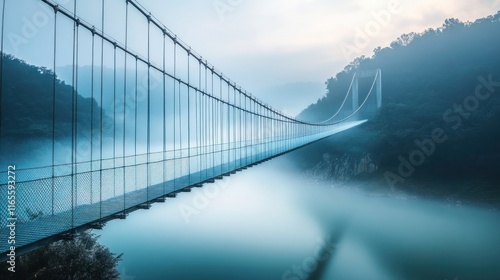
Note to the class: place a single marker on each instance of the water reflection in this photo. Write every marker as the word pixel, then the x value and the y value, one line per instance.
pixel 409 239
pixel 269 222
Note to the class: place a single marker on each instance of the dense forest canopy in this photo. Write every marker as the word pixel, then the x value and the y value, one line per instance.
pixel 443 80
pixel 33 99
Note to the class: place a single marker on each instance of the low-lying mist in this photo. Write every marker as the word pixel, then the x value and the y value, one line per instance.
pixel 272 222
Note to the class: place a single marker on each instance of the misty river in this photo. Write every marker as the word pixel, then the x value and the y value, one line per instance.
pixel 272 222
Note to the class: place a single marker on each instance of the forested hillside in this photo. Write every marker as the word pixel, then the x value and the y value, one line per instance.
pixel 29 99
pixel 441 99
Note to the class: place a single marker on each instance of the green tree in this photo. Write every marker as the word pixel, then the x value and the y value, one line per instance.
pixel 80 258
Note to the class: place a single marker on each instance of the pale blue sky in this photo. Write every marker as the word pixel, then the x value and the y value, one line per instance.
pixel 264 44
pixel 267 43
pixel 282 41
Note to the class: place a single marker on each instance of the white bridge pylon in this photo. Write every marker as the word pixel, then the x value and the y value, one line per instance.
pixel 355 87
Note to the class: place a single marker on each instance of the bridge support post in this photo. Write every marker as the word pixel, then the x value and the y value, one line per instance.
pixel 378 87
pixel 355 94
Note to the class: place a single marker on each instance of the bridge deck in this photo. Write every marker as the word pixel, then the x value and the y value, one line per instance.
pixel 50 225
pixel 93 215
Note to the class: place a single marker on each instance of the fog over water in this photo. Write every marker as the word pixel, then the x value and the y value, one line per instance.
pixel 273 222
pixel 79 114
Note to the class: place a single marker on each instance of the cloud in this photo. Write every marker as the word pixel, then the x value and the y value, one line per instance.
pixel 260 43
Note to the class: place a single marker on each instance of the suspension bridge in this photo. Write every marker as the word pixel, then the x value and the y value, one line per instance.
pixel 146 117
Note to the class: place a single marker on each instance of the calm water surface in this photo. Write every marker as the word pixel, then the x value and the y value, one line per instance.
pixel 270 222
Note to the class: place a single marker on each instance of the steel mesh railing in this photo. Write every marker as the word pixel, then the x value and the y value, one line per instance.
pixel 207 126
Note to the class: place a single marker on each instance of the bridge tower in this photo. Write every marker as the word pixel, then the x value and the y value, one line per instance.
pixel 378 87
